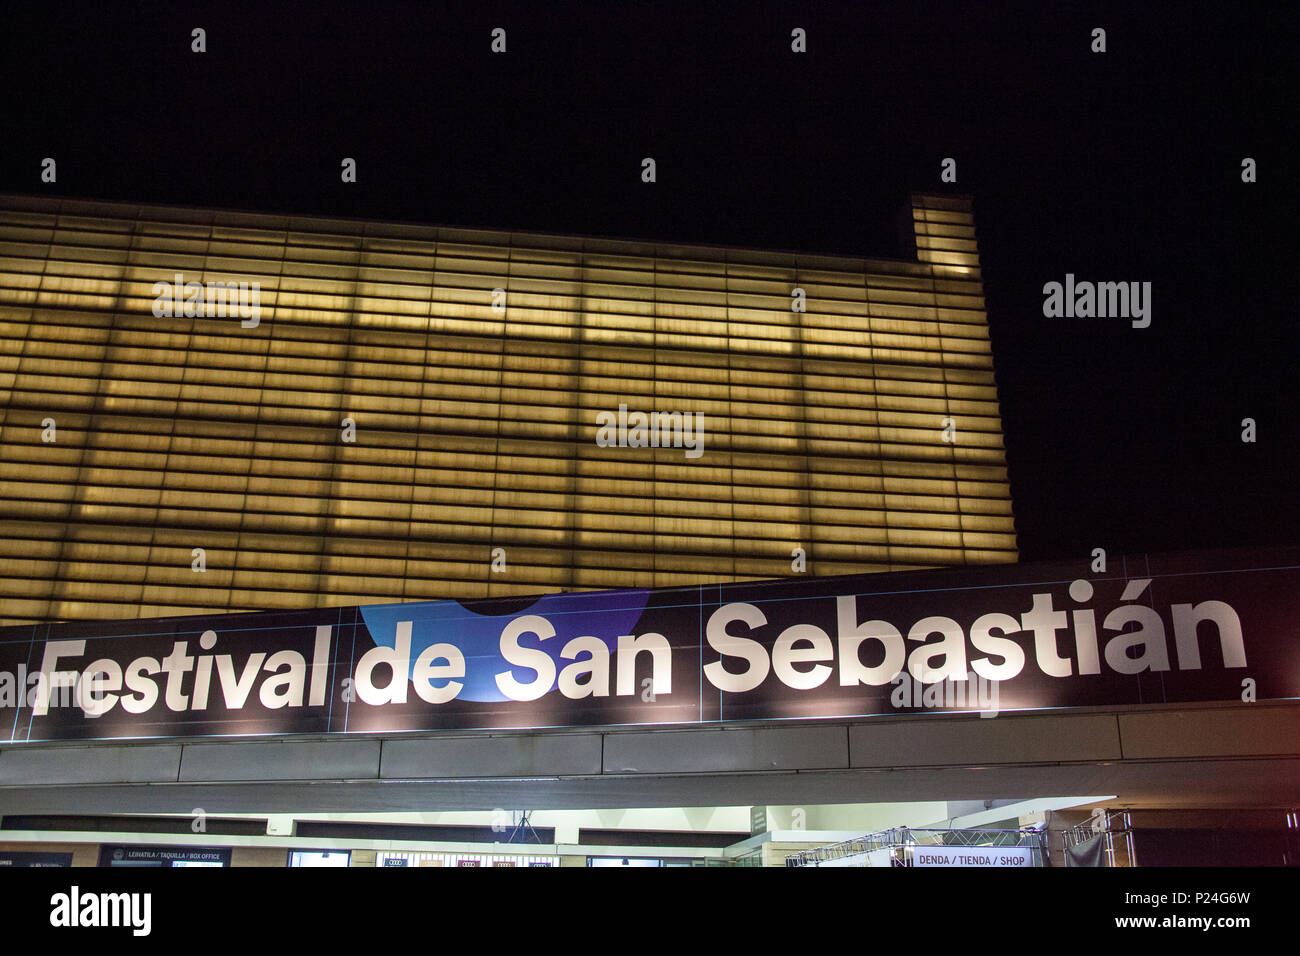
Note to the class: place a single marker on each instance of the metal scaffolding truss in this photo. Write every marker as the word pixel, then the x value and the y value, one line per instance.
pixel 1115 827
pixel 902 837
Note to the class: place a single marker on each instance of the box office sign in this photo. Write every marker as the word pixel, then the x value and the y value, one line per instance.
pixel 1213 626
pixel 121 855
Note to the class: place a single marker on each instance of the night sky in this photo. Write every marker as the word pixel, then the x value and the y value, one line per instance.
pixel 1121 166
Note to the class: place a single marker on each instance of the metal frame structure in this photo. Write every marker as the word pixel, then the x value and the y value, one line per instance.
pixel 1108 831
pixel 907 837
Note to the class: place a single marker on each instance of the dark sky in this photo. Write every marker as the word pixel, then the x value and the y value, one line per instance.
pixel 1122 166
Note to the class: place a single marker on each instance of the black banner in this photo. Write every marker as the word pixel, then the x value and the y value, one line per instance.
pixel 1216 626
pixel 115 855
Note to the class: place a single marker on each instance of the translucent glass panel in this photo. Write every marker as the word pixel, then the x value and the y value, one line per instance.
pixel 409 399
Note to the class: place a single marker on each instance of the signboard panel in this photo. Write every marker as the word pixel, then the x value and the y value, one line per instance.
pixel 997 856
pixel 31 858
pixel 1153 629
pixel 154 856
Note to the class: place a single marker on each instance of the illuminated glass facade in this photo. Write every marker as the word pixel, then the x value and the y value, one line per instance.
pixel 127 439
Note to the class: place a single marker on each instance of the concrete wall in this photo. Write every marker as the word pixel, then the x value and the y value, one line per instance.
pixel 1240 755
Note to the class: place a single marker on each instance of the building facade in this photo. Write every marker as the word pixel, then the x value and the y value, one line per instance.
pixel 217 411
pixel 320 421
